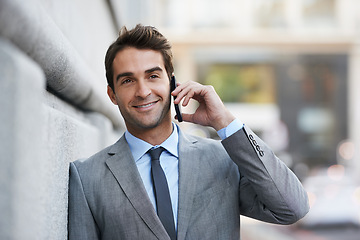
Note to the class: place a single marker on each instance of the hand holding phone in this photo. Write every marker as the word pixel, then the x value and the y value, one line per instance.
pixel 177 107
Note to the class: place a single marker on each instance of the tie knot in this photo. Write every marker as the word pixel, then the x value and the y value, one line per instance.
pixel 155 153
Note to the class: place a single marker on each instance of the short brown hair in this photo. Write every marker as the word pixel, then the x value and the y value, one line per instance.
pixel 140 37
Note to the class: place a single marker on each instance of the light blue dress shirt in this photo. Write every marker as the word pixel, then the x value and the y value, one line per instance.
pixel 169 161
pixel 232 128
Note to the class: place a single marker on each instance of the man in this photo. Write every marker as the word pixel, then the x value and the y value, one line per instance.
pixel 113 194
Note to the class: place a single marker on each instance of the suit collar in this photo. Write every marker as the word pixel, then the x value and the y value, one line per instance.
pixel 123 167
pixel 132 185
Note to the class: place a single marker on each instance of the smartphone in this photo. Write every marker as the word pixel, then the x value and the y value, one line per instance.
pixel 177 107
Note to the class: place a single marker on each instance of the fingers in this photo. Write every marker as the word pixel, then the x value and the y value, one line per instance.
pixel 211 110
pixel 176 92
pixel 186 92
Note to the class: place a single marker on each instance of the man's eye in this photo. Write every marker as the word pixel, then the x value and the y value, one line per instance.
pixel 153 76
pixel 125 81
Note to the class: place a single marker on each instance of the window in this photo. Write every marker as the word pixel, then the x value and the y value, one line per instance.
pixel 319 12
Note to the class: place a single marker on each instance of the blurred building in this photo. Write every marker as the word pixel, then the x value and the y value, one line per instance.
pixel 279 64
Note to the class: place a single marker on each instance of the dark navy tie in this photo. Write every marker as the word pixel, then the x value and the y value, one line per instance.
pixel 162 195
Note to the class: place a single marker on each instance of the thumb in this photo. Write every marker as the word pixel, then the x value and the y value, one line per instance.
pixel 186 117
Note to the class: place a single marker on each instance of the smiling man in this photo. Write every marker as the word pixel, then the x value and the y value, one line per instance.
pixel 157 182
pixel 141 91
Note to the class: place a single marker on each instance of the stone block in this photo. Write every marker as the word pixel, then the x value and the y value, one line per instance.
pixel 22 175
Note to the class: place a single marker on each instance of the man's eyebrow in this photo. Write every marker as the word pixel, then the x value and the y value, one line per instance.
pixel 128 74
pixel 125 74
pixel 154 69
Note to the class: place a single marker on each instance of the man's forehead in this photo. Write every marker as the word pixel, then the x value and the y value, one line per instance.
pixel 138 60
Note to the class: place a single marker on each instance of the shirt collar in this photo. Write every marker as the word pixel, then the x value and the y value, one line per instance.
pixel 139 147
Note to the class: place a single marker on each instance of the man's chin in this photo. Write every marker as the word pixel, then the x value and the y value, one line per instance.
pixel 148 123
pixel 150 120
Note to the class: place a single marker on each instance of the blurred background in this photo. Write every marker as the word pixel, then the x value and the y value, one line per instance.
pixel 289 69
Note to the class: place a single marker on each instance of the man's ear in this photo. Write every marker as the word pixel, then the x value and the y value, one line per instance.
pixel 111 95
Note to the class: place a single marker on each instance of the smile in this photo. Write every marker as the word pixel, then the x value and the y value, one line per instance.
pixel 146 105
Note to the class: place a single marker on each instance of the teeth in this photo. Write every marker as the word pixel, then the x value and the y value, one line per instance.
pixel 144 106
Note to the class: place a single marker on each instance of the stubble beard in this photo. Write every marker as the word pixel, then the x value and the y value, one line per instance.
pixel 139 124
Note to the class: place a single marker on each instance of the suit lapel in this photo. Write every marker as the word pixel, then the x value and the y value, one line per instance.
pixel 188 166
pixel 123 167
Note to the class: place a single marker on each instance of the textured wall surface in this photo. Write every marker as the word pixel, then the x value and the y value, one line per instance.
pixel 39 135
pixel 32 29
pixel 21 200
pixel 54 45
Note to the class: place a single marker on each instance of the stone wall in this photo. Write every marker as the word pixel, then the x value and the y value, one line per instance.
pixel 54 107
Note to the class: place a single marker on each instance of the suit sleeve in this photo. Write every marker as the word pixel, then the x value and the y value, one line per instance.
pixel 269 191
pixel 81 224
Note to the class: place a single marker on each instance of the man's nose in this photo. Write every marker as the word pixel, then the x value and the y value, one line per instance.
pixel 143 90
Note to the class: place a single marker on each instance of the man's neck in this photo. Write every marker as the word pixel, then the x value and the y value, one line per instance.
pixel 153 136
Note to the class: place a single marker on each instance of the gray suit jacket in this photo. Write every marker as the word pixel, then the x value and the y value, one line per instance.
pixel 218 181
